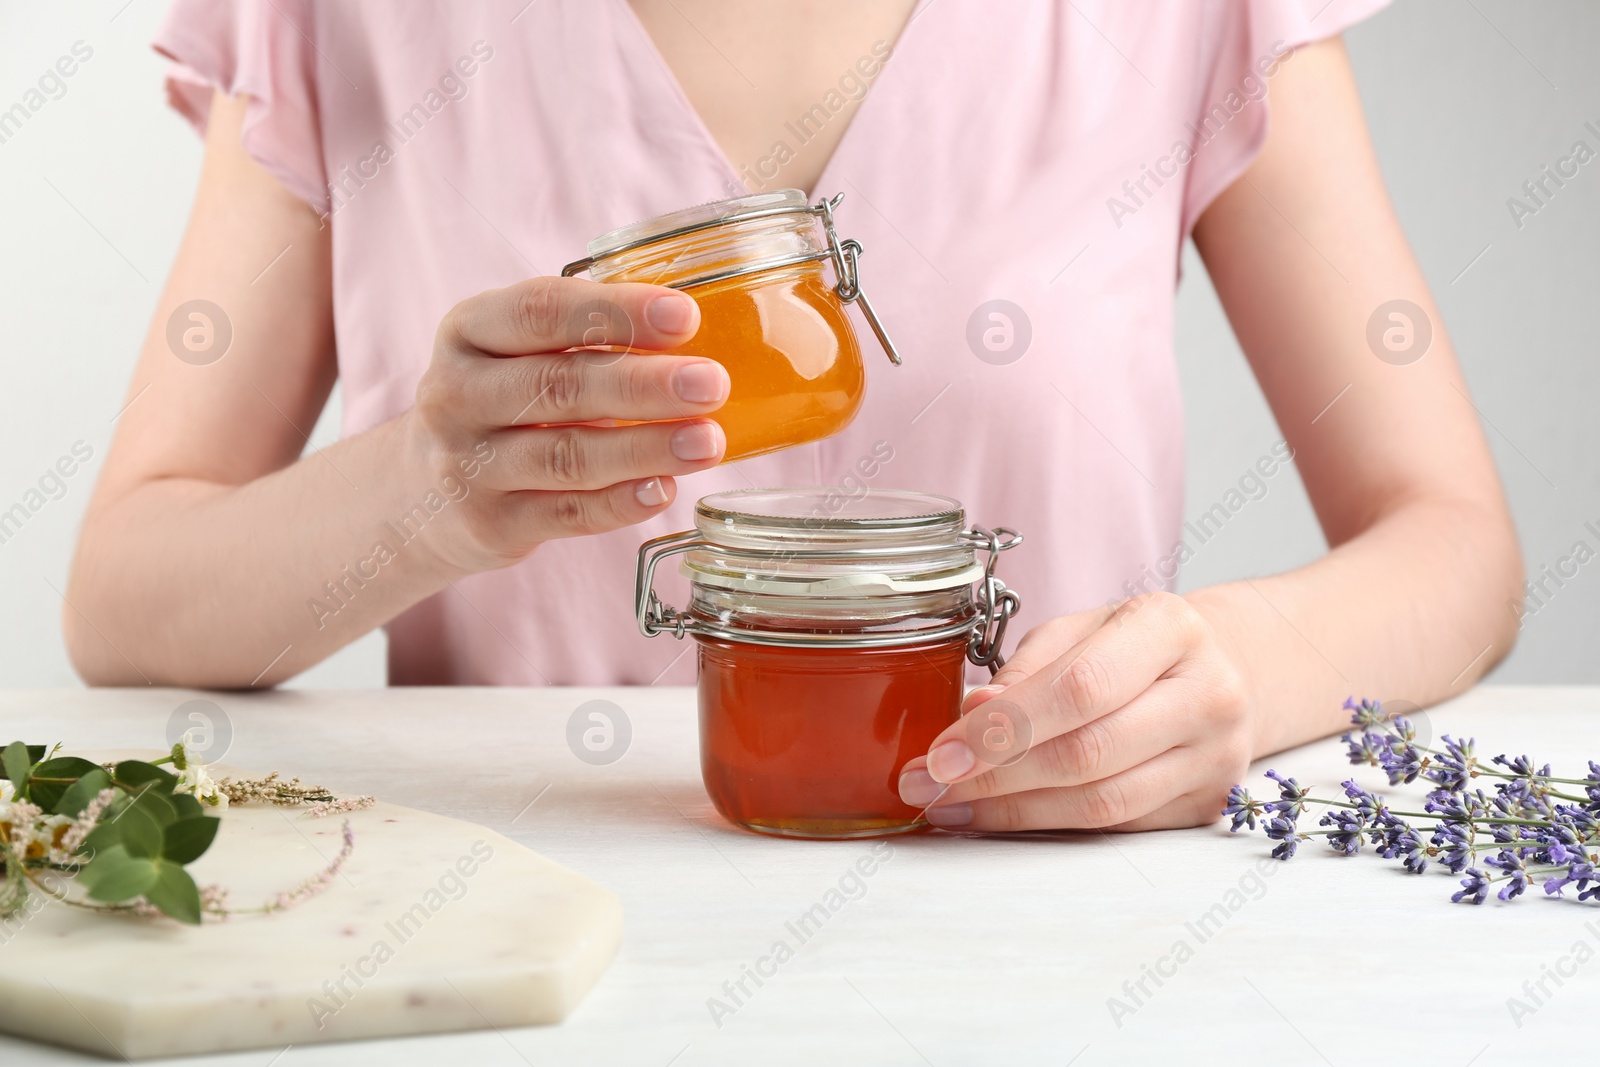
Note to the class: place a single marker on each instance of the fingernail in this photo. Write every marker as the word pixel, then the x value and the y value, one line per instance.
pixel 701 383
pixel 918 788
pixel 950 760
pixel 670 314
pixel 651 493
pixel 692 443
pixel 949 815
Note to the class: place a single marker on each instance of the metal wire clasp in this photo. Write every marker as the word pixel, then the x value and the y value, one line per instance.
pixel 845 254
pixel 653 615
pixel 996 603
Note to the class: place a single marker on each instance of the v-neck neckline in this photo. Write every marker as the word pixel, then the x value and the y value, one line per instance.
pixel 691 114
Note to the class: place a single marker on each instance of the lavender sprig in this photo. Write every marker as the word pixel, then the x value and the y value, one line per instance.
pixel 1528 831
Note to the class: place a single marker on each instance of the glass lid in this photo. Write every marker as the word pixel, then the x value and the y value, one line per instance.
pixel 715 211
pixel 825 540
pixel 827 514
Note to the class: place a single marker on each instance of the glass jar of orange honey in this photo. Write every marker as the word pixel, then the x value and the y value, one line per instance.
pixel 754 264
pixel 834 633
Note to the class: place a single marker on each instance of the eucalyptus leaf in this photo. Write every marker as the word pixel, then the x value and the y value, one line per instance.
pixel 105 861
pixel 50 779
pixel 174 892
pixel 131 877
pixel 158 806
pixel 187 839
pixel 17 761
pixel 186 805
pixel 131 774
pixel 35 754
pixel 80 793
pixel 140 834
pixel 106 835
pixel 114 876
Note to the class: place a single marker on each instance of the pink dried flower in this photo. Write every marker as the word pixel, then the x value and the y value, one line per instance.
pixel 324 808
pixel 317 882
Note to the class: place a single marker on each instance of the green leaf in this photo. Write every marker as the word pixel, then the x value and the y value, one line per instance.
pixel 118 876
pixel 185 805
pixel 139 833
pixel 107 834
pixel 105 861
pixel 81 792
pixel 158 806
pixel 17 760
pixel 131 774
pixel 187 839
pixel 35 754
pixel 174 893
pixel 50 779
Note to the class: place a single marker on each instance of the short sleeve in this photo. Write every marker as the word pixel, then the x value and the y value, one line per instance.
pixel 1246 42
pixel 264 50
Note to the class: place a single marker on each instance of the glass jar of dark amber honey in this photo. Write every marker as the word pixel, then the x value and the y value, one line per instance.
pixel 754 264
pixel 834 633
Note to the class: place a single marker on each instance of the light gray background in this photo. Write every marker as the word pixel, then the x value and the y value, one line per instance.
pixel 1467 100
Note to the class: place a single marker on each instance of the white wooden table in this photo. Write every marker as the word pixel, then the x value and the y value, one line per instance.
pixel 956 950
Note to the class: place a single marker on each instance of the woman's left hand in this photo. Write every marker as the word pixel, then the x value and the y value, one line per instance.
pixel 1133 718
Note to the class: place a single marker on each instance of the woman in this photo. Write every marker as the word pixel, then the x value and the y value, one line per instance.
pixel 387 191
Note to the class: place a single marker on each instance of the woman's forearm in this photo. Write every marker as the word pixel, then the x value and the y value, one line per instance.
pixel 183 582
pixel 1416 608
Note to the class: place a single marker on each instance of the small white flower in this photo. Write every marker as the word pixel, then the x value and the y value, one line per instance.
pixel 194 780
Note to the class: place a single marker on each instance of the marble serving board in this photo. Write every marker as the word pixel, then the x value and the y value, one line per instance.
pixel 432 925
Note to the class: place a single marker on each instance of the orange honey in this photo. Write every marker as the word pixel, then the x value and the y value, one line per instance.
pixel 791 355
pixel 768 311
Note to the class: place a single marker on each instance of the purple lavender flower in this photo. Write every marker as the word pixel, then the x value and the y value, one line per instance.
pixel 1415 852
pixel 1591 784
pixel 1512 863
pixel 1367 750
pixel 1291 797
pixel 1347 837
pixel 1452 769
pixel 1366 713
pixel 1282 829
pixel 1517 799
pixel 1583 821
pixel 1453 840
pixel 1474 887
pixel 1370 805
pixel 1583 873
pixel 1400 757
pixel 1563 841
pixel 1459 807
pixel 1244 808
pixel 1522 765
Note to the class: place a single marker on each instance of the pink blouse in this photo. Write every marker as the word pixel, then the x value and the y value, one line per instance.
pixel 1021 174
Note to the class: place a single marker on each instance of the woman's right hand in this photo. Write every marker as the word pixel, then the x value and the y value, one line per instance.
pixel 519 376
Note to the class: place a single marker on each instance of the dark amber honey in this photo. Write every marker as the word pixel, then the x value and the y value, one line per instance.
pixel 809 742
